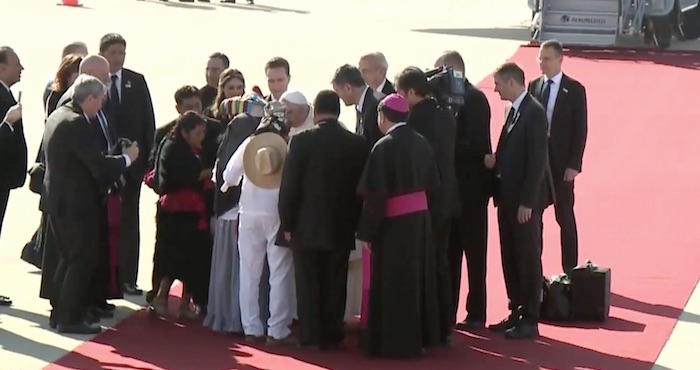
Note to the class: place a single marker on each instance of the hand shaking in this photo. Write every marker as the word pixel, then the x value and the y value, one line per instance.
pixel 132 151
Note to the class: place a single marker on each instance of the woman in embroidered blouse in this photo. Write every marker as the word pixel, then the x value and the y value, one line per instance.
pixel 182 229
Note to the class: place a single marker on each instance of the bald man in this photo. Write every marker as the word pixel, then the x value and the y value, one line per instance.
pixel 93 65
pixel 374 67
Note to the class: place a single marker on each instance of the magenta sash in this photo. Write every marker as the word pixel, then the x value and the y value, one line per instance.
pixel 113 216
pixel 396 206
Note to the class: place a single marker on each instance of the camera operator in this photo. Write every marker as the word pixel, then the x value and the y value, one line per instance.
pixel 469 231
pixel 438 126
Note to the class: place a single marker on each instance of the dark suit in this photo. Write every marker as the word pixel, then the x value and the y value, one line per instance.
pixel 438 126
pixel 469 232
pixel 72 199
pixel 134 120
pixel 567 141
pixel 13 153
pixel 388 88
pixel 321 214
pixel 521 165
pixel 366 123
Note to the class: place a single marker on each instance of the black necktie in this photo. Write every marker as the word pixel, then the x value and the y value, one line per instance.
pixel 544 98
pixel 114 96
pixel 510 120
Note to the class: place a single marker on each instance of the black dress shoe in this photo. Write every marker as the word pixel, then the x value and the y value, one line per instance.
pixel 130 289
pixel 150 295
pixel 82 328
pixel 523 330
pixel 471 324
pixel 506 324
pixel 102 313
pixel 91 317
pixel 107 306
pixel 5 301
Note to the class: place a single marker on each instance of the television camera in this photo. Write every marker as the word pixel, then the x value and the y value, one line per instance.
pixel 447 86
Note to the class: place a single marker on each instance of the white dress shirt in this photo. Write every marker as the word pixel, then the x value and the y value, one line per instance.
pixel 553 93
pixel 361 103
pixel 516 107
pixel 254 200
pixel 118 81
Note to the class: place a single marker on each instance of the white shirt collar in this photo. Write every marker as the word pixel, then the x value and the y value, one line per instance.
pixel 519 100
pixel 5 85
pixel 380 88
pixel 118 74
pixel 362 99
pixel 556 79
pixel 392 128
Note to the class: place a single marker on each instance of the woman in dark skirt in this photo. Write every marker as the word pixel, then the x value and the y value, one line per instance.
pixel 183 241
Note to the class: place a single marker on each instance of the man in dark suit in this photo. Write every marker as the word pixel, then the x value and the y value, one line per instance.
pixel 469 232
pixel 437 125
pixel 75 171
pixel 520 165
pixel 217 63
pixel 318 219
pixel 564 100
pixel 352 89
pixel 13 146
pixel 374 67
pixel 129 104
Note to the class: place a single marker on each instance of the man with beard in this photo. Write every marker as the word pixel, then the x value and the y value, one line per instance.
pixel 437 125
pixel 469 232
pixel 188 98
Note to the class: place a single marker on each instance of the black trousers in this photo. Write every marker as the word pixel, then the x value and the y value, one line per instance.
pixel 321 285
pixel 4 199
pixel 468 238
pixel 76 242
pixel 129 234
pixel 521 250
pixel 564 213
pixel 441 234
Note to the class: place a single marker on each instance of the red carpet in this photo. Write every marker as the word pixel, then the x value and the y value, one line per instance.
pixel 636 208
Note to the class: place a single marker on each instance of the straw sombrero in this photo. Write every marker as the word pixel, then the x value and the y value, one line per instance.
pixel 263 160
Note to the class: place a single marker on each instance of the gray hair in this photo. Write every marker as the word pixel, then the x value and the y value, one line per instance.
pixel 86 86
pixel 379 57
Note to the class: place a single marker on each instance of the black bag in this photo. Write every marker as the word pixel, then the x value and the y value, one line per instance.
pixel 33 252
pixel 590 292
pixel 556 299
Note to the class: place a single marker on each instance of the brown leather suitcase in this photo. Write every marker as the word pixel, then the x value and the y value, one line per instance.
pixel 590 292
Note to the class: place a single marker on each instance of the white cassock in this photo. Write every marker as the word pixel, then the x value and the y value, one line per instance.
pixel 354 295
pixel 258 225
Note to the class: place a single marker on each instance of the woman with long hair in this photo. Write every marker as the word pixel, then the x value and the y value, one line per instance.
pixel 183 239
pixel 65 76
pixel 231 84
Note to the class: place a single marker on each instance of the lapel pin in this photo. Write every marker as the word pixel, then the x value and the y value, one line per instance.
pixel 127 85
